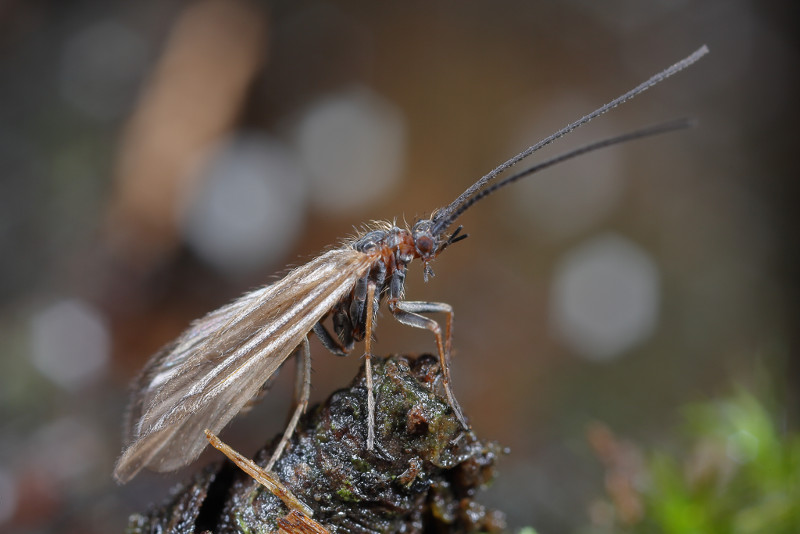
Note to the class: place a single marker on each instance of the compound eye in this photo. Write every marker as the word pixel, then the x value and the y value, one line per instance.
pixel 425 245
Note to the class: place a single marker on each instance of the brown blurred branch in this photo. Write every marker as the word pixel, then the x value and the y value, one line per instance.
pixel 192 98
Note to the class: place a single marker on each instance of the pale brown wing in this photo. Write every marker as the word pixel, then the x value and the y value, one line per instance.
pixel 208 374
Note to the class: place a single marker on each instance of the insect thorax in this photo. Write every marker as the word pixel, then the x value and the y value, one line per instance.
pixel 390 250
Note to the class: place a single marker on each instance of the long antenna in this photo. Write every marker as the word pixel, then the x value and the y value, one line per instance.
pixel 446 213
pixel 658 129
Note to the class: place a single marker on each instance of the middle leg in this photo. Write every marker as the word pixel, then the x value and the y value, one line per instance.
pixel 302 391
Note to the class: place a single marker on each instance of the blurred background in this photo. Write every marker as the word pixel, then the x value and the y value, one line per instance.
pixel 159 158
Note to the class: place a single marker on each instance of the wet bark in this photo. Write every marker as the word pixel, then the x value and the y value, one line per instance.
pixel 423 475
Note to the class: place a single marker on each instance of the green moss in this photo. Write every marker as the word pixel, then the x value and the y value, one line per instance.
pixel 737 472
pixel 243 524
pixel 347 495
pixel 360 464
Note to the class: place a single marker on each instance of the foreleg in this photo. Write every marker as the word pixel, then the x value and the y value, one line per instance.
pixel 408 313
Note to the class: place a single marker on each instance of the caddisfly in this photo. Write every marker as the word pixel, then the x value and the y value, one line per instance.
pixel 206 376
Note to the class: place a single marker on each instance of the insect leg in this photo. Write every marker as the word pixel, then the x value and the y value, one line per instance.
pixel 343 326
pixel 408 313
pixel 330 342
pixel 259 396
pixel 302 392
pixel 368 366
pixel 360 305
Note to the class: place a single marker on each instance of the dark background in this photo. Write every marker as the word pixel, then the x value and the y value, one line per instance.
pixel 159 158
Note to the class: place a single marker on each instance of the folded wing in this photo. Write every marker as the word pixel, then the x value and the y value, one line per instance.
pixel 205 377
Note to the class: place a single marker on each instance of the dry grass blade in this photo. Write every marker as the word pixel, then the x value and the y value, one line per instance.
pixel 297 523
pixel 260 475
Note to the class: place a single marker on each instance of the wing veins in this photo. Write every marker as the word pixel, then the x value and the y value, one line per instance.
pixel 199 382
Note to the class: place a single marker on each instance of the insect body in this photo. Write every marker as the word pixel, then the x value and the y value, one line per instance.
pixel 211 371
pixel 206 376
